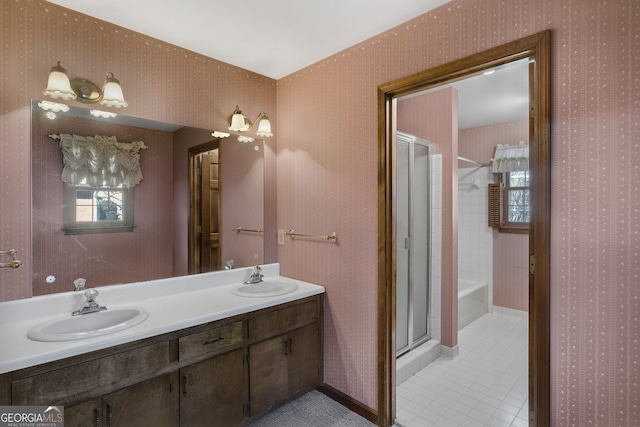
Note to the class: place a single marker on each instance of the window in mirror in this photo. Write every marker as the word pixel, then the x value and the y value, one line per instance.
pixel 90 210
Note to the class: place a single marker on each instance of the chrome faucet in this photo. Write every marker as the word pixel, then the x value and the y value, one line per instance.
pixel 256 276
pixel 89 305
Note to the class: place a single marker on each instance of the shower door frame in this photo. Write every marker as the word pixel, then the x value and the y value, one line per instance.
pixel 412 141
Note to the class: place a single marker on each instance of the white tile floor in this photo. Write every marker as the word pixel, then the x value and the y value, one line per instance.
pixel 485 386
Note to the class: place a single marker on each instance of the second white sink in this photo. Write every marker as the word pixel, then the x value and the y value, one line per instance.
pixel 267 288
pixel 71 328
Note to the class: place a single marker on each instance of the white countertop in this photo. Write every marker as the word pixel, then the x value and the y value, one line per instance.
pixel 173 304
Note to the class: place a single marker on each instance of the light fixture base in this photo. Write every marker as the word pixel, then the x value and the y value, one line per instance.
pixel 86 90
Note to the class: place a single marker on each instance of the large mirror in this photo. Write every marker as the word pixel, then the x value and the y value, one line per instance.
pixel 199 206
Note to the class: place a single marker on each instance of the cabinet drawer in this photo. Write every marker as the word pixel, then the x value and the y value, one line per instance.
pixel 89 379
pixel 210 340
pixel 284 319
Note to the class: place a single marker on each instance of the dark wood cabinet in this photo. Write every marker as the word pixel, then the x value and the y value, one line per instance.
pixel 150 403
pixel 287 365
pixel 85 414
pixel 213 389
pixel 225 373
pixel 153 402
pixel 304 360
pixel 268 374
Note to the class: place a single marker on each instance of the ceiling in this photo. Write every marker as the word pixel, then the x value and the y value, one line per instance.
pixel 274 38
pixel 278 37
pixel 498 95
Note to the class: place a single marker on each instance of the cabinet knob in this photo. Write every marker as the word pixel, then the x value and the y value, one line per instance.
pixel 288 346
pixel 185 383
pixel 212 341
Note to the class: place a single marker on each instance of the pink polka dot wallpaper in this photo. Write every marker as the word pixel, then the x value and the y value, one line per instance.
pixel 325 121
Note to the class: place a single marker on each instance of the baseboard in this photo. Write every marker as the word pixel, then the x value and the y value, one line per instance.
pixel 350 403
pixel 510 312
pixel 450 352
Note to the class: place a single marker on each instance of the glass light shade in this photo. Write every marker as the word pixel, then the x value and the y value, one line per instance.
pixel 264 128
pixel 58 86
pixel 238 122
pixel 218 134
pixel 245 139
pixel 112 93
pixel 102 114
pixel 53 106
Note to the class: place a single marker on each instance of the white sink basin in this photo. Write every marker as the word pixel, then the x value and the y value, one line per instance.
pixel 267 288
pixel 71 328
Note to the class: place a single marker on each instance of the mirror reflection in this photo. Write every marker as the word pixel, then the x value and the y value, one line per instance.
pixel 182 216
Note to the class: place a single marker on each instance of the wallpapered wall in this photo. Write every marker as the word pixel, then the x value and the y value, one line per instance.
pixel 595 203
pixel 595 271
pixel 510 251
pixel 160 81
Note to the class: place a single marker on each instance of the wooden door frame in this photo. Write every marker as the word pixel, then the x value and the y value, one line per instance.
pixel 194 200
pixel 537 47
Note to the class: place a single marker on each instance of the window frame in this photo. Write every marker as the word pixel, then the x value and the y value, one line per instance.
pixel 504 225
pixel 71 226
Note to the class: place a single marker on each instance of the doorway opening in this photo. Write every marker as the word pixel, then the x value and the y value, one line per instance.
pixel 536 49
pixel 204 208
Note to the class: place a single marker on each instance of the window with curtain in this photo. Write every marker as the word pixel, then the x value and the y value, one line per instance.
pixel 99 175
pixel 510 158
pixel 509 195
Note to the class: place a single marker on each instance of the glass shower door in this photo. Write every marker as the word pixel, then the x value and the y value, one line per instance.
pixel 412 241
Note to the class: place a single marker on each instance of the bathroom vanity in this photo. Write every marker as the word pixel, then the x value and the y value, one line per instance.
pixel 224 372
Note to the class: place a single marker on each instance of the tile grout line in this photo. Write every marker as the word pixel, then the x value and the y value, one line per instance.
pixel 485 386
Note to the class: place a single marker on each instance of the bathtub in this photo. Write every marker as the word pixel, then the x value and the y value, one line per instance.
pixel 473 301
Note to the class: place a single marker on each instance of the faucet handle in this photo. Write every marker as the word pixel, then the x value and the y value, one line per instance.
pixel 79 284
pixel 91 294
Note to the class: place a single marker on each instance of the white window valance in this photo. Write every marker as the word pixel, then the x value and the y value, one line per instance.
pixel 511 158
pixel 100 161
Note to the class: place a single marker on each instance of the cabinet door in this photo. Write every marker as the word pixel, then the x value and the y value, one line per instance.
pixel 303 359
pixel 213 391
pixel 151 403
pixel 268 382
pixel 85 414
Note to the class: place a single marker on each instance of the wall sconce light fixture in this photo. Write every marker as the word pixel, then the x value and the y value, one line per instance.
pixel 240 123
pixel 61 87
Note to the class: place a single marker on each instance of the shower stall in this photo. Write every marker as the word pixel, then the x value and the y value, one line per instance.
pixel 412 201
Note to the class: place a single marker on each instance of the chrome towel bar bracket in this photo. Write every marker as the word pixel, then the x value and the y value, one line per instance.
pixel 14 256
